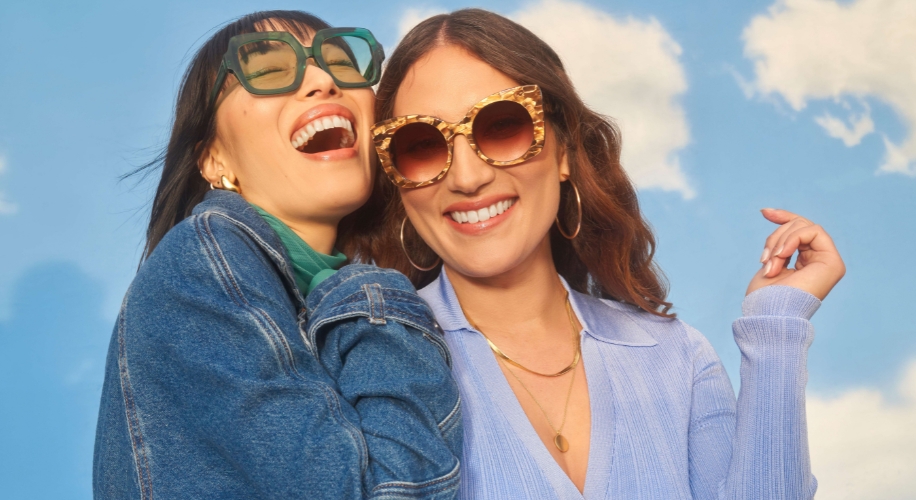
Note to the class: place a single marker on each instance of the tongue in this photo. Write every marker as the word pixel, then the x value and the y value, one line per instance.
pixel 326 140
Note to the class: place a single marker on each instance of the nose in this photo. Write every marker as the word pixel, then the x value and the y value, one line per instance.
pixel 316 82
pixel 468 172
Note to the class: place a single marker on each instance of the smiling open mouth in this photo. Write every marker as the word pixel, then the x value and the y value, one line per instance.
pixel 483 214
pixel 323 134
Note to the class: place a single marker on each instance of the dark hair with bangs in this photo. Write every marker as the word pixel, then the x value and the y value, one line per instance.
pixel 182 187
pixel 612 257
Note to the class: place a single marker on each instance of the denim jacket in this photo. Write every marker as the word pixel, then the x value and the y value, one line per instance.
pixel 223 382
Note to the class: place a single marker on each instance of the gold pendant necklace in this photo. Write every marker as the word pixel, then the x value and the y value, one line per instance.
pixel 559 439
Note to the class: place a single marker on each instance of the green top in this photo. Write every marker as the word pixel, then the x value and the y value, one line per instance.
pixel 309 266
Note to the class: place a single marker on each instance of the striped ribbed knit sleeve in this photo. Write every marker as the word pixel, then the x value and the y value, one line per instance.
pixel 770 457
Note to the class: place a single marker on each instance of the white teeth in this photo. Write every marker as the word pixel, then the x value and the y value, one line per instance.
pixel 483 214
pixel 305 134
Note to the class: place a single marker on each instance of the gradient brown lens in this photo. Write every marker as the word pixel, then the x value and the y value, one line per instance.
pixel 419 151
pixel 503 131
pixel 268 64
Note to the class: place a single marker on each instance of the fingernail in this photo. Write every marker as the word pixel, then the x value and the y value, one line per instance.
pixel 765 256
pixel 766 268
pixel 778 250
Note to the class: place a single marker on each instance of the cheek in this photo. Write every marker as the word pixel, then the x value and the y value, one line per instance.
pixel 418 204
pixel 248 127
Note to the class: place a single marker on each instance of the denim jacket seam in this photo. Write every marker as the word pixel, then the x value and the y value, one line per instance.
pixel 131 415
pixel 277 256
pixel 448 477
pixel 450 421
pixel 224 276
pixel 355 433
pixel 403 318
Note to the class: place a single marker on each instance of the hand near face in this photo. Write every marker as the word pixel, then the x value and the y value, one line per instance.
pixel 818 266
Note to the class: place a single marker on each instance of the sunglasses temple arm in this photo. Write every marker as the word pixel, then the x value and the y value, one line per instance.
pixel 218 84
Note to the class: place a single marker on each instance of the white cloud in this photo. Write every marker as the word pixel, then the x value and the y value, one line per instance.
pixel 851 134
pixel 628 69
pixel 807 50
pixel 638 81
pixel 864 446
pixel 6 207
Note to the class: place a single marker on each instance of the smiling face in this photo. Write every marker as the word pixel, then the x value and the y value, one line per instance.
pixel 483 221
pixel 304 156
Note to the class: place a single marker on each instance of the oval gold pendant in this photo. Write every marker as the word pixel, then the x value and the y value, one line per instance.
pixel 561 443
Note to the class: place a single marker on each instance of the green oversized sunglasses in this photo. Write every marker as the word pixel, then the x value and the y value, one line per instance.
pixel 273 62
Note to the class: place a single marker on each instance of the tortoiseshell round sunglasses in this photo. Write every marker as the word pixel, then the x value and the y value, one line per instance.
pixel 504 129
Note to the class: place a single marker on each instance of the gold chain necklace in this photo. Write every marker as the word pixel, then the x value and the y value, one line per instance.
pixel 559 440
pixel 501 354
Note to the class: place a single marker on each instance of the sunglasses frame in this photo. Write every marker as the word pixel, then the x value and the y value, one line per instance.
pixel 231 64
pixel 529 96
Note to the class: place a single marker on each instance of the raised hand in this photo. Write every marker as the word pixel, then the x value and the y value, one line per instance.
pixel 818 267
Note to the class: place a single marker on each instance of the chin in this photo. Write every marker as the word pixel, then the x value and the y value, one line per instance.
pixel 486 265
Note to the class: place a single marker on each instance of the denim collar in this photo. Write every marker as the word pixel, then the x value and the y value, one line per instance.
pixel 233 207
pixel 602 320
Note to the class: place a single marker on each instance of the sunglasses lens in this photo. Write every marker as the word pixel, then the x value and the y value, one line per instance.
pixel 349 58
pixel 419 151
pixel 268 64
pixel 504 130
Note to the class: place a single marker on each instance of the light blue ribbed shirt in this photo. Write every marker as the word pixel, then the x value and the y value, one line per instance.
pixel 665 423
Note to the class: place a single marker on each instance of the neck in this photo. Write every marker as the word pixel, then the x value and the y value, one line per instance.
pixel 321 237
pixel 319 233
pixel 526 300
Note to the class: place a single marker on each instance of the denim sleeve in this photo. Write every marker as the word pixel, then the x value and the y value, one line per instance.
pixel 379 341
pixel 211 390
pixel 757 448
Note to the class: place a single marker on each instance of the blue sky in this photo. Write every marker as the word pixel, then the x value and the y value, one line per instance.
pixel 87 92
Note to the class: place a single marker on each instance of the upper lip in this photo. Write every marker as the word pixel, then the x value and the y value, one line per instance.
pixel 320 111
pixel 466 206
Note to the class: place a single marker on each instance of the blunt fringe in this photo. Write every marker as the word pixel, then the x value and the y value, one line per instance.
pixel 612 257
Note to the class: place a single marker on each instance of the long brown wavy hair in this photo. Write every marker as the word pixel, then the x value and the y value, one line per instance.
pixel 612 257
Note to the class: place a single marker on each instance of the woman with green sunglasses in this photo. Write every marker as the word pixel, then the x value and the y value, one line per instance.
pixel 247 360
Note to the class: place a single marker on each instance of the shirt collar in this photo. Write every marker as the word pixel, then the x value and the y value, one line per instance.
pixel 603 320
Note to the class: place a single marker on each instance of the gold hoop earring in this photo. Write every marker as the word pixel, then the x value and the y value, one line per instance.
pixel 229 186
pixel 412 263
pixel 578 209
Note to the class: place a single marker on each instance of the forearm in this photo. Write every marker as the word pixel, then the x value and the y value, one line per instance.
pixel 401 387
pixel 770 456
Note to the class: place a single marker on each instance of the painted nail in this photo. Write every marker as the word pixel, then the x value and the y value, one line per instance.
pixel 766 268
pixel 778 250
pixel 765 256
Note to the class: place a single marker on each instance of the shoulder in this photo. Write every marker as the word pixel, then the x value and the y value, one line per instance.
pixel 625 324
pixel 205 259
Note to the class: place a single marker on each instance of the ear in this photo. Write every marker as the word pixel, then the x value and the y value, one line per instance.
pixel 563 162
pixel 213 165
